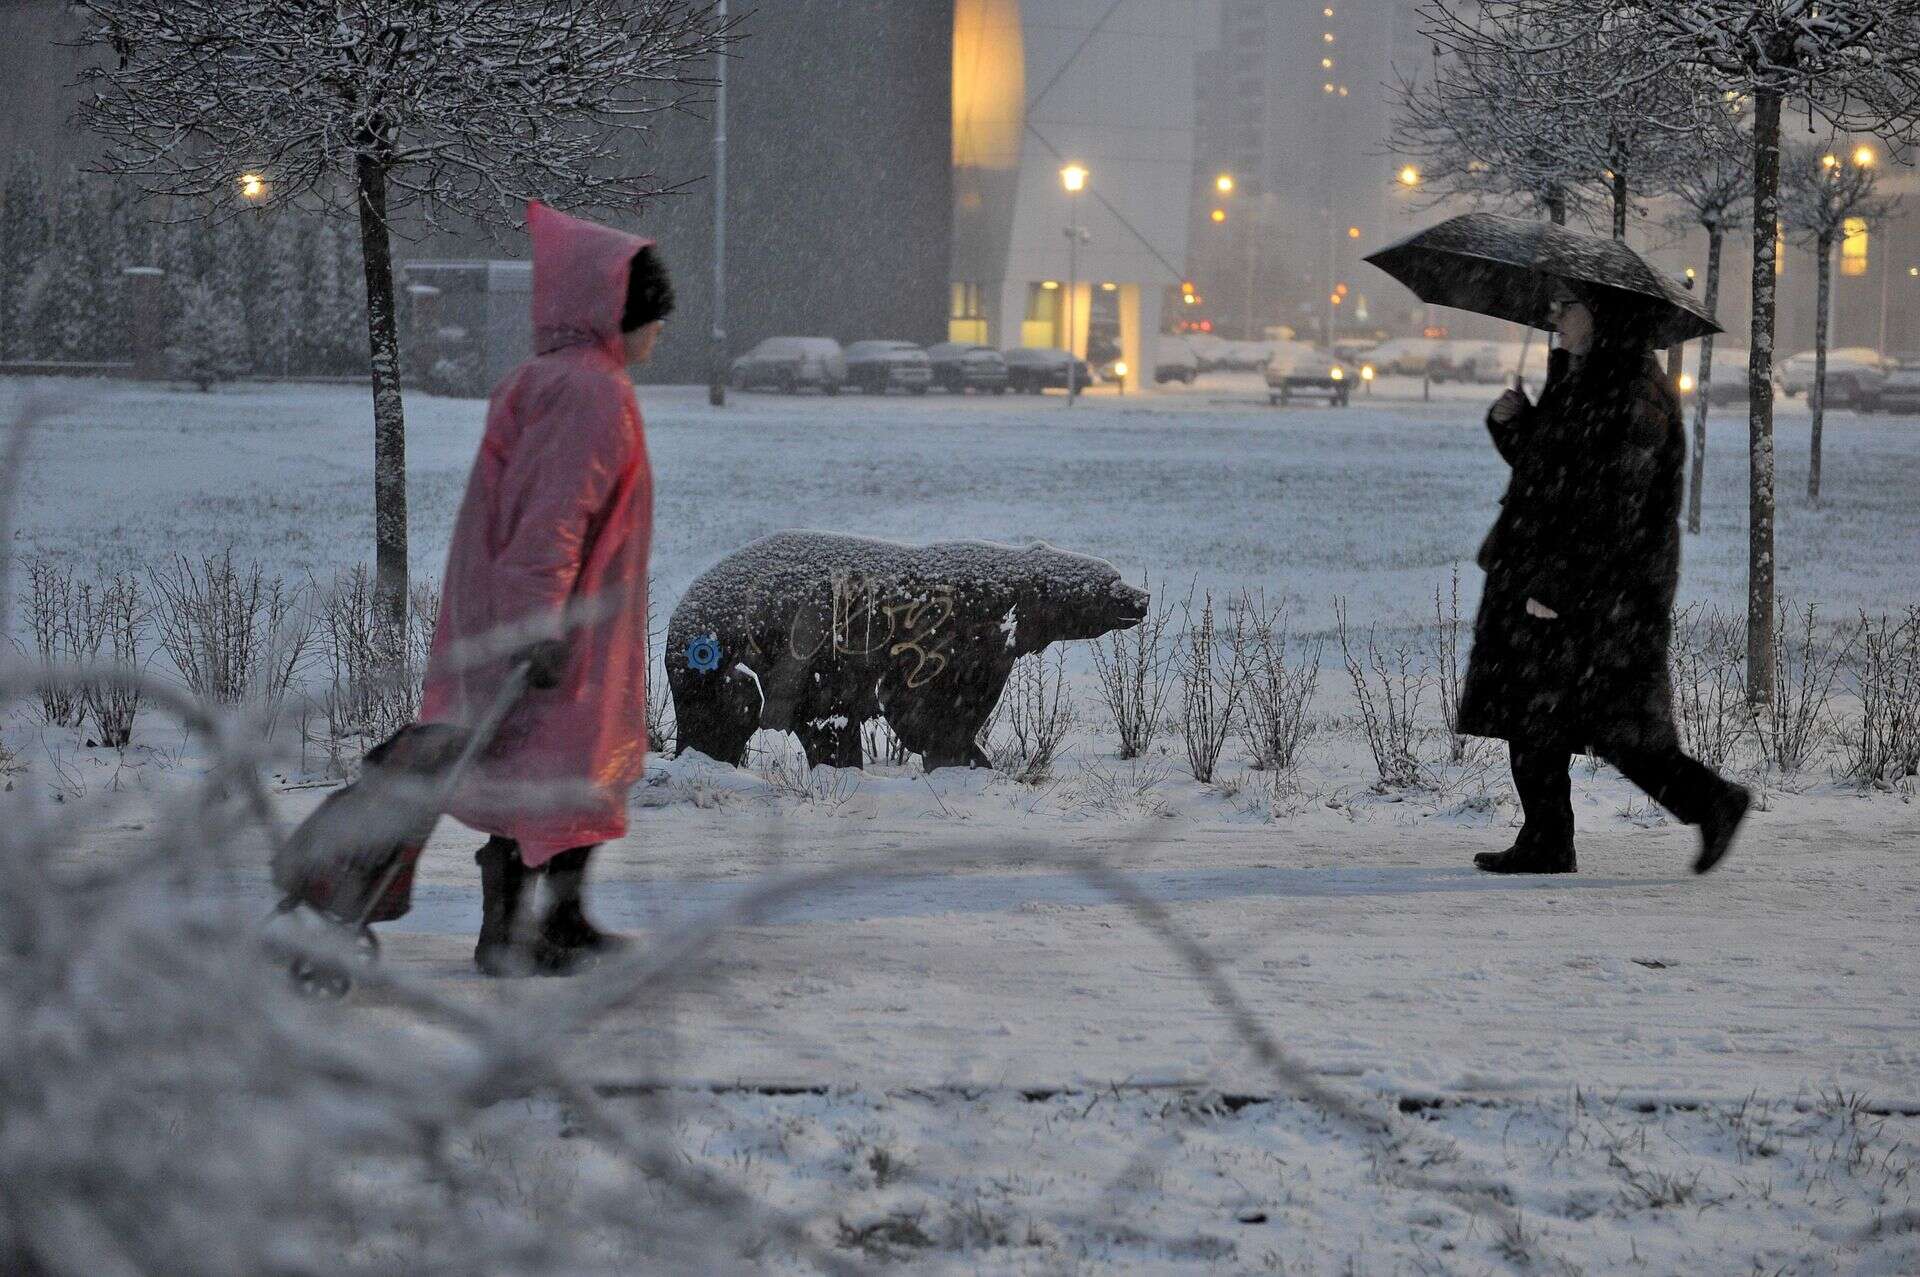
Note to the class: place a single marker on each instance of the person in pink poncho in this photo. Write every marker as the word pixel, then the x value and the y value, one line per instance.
pixel 548 565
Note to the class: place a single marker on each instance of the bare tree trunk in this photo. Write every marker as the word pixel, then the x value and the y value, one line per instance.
pixel 1703 385
pixel 1817 395
pixel 1760 560
pixel 1619 204
pixel 389 420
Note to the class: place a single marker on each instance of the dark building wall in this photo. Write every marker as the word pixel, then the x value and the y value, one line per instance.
pixel 38 73
pixel 839 182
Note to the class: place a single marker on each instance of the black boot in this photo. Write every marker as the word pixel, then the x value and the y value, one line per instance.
pixel 1720 824
pixel 502 880
pixel 568 942
pixel 1525 858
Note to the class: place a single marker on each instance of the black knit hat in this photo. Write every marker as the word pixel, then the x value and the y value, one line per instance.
pixel 649 292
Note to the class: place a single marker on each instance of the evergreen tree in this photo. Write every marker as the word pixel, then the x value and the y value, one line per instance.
pixel 66 309
pixel 23 242
pixel 210 340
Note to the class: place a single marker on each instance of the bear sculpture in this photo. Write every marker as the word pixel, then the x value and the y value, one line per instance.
pixel 817 633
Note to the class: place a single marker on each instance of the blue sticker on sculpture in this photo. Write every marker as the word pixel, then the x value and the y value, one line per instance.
pixel 703 654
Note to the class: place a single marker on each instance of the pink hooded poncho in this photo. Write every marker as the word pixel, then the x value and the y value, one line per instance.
pixel 553 537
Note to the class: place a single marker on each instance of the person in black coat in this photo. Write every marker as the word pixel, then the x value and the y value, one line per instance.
pixel 1570 644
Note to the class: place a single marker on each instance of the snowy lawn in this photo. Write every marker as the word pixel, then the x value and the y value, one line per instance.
pixel 976 1058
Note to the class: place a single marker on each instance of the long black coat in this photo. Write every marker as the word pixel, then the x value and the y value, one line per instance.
pixel 1590 528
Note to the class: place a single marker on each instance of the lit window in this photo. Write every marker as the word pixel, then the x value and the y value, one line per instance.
pixel 1853 246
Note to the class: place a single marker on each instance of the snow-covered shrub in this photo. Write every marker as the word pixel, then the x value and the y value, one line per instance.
pixel 1883 745
pixel 1036 710
pixel 375 670
pixel 1213 683
pixel 1135 673
pixel 1448 667
pixel 1709 691
pixel 210 339
pixel 1792 722
pixel 236 635
pixel 50 598
pixel 879 744
pixel 1280 686
pixel 108 619
pixel 1387 688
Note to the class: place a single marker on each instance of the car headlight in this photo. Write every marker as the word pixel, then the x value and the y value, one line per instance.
pixel 1338 374
pixel 1686 383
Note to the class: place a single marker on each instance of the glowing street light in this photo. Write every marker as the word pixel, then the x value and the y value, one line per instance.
pixel 1074 178
pixel 1409 176
pixel 1864 157
pixel 252 186
pixel 1218 215
pixel 1353 232
pixel 1224 184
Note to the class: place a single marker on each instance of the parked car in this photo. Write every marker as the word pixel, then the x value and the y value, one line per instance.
pixel 790 364
pixel 1031 369
pixel 1405 356
pixel 1174 360
pixel 878 366
pixel 1854 373
pixel 1898 392
pixel 1300 371
pixel 1729 374
pixel 960 366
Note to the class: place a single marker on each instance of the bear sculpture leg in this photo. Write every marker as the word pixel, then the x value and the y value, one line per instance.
pixel 716 714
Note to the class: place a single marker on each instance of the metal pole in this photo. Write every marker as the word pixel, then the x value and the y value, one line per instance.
pixel 1073 284
pixel 717 378
pixel 1885 274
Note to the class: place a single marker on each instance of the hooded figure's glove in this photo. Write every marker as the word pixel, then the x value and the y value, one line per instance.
pixel 546 663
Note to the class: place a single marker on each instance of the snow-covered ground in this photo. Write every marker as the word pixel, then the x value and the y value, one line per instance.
pixel 971 1055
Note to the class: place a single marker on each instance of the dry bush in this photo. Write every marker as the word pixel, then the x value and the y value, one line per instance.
pixel 374 670
pixel 1883 744
pixel 1283 673
pixel 1793 722
pixel 1213 683
pixel 659 692
pixel 1387 688
pixel 1447 664
pixel 1036 710
pixel 237 635
pixel 110 616
pixel 1709 690
pixel 50 619
pixel 1135 673
pixel 878 744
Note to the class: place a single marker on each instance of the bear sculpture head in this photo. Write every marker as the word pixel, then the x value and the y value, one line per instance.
pixel 1072 596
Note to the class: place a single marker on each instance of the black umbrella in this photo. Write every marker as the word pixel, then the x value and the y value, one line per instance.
pixel 1505 267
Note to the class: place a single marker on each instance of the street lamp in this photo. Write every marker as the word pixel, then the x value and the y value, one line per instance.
pixel 1074 178
pixel 1224 184
pixel 1409 176
pixel 252 186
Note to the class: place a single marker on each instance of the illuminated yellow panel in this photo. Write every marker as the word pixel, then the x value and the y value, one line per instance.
pixel 1853 246
pixel 989 84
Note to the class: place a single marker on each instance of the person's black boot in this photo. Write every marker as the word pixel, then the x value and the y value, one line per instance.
pixel 502 880
pixel 1526 858
pixel 568 941
pixel 1720 825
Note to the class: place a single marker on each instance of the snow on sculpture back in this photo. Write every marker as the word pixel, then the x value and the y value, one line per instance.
pixel 817 633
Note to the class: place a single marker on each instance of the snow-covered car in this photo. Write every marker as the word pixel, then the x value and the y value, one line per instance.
pixel 1854 373
pixel 1729 384
pixel 1405 356
pixel 1210 350
pixel 960 366
pixel 1899 392
pixel 879 366
pixel 1031 369
pixel 1300 371
pixel 1174 360
pixel 791 364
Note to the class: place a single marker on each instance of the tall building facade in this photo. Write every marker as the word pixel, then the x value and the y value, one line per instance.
pixel 1103 87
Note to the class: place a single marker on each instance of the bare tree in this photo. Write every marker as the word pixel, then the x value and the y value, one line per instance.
pixel 1820 193
pixel 464 108
pixel 1713 190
